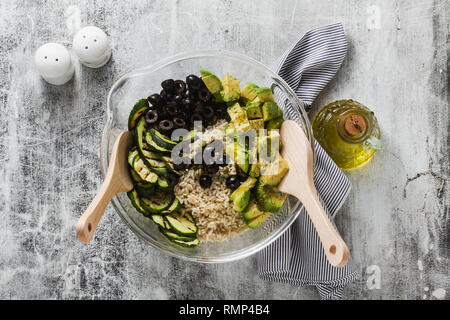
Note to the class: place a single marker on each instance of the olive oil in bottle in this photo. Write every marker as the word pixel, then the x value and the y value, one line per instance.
pixel 348 131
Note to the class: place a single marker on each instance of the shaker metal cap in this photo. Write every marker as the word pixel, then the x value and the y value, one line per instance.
pixel 91 45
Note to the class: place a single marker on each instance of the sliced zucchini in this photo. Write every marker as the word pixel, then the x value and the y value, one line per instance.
pixel 158 202
pixel 160 221
pixel 153 161
pixel 153 145
pixel 173 236
pixel 133 196
pixel 132 155
pixel 139 133
pixel 145 190
pixel 161 140
pixel 189 244
pixel 163 183
pixel 182 225
pixel 144 172
pixel 175 205
pixel 139 108
pixel 169 164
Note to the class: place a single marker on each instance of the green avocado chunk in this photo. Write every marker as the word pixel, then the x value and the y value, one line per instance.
pixel 241 196
pixel 248 92
pixel 273 172
pixel 211 81
pixel 253 215
pixel 275 123
pixel 231 91
pixel 271 111
pixel 263 95
pixel 269 198
pixel 253 110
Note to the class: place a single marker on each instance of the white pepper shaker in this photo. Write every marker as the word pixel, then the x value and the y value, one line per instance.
pixel 92 47
pixel 54 63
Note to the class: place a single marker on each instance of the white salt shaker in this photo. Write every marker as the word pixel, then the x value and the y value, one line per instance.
pixel 92 47
pixel 54 63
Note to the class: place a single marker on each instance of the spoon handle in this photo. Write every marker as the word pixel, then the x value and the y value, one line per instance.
pixel 91 217
pixel 335 248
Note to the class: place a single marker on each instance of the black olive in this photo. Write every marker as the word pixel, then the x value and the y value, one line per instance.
pixel 186 103
pixel 193 81
pixel 178 98
pixel 232 182
pixel 155 100
pixel 166 125
pixel 180 87
pixel 179 123
pixel 220 113
pixel 172 179
pixel 212 169
pixel 205 181
pixel 198 107
pixel 212 99
pixel 168 85
pixel 204 94
pixel 163 94
pixel 179 167
pixel 208 112
pixel 151 116
pixel 171 108
pixel 196 117
pixel 241 174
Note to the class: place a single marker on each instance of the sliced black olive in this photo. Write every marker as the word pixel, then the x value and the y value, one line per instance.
pixel 193 81
pixel 198 107
pixel 196 117
pixel 241 174
pixel 186 103
pixel 155 100
pixel 212 168
pixel 205 181
pixel 233 182
pixel 208 112
pixel 204 94
pixel 220 113
pixel 179 167
pixel 151 116
pixel 178 98
pixel 171 108
pixel 180 87
pixel 166 125
pixel 168 85
pixel 179 123
pixel 163 94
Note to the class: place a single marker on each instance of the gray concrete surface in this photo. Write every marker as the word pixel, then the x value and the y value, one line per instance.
pixel 396 220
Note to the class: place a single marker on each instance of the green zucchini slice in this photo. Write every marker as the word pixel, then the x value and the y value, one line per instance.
pixel 182 225
pixel 133 196
pixel 163 184
pixel 139 108
pixel 161 140
pixel 173 236
pixel 174 206
pixel 144 172
pixel 132 155
pixel 169 164
pixel 153 161
pixel 158 202
pixel 188 244
pixel 153 145
pixel 160 221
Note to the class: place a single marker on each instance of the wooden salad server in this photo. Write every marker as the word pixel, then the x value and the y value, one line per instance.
pixel 117 180
pixel 299 183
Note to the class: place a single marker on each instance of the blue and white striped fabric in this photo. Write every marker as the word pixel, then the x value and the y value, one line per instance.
pixel 297 257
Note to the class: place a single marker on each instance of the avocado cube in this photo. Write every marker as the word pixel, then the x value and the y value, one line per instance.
pixel 275 123
pixel 238 153
pixel 239 117
pixel 257 124
pixel 248 92
pixel 241 196
pixel 257 221
pixel 269 145
pixel 253 110
pixel 252 211
pixel 231 90
pixel 271 110
pixel 263 95
pixel 269 198
pixel 212 82
pixel 273 172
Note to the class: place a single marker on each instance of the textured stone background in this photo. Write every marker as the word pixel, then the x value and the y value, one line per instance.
pixel 396 220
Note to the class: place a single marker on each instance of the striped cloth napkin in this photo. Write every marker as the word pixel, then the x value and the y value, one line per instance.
pixel 297 256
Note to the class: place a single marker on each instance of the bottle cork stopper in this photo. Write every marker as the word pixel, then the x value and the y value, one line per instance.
pixel 355 124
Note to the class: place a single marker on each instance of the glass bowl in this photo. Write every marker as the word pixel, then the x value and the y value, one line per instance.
pixel 141 83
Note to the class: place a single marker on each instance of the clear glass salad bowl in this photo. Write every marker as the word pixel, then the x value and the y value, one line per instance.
pixel 142 82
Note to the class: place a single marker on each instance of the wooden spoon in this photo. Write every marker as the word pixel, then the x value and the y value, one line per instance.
pixel 117 180
pixel 299 183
